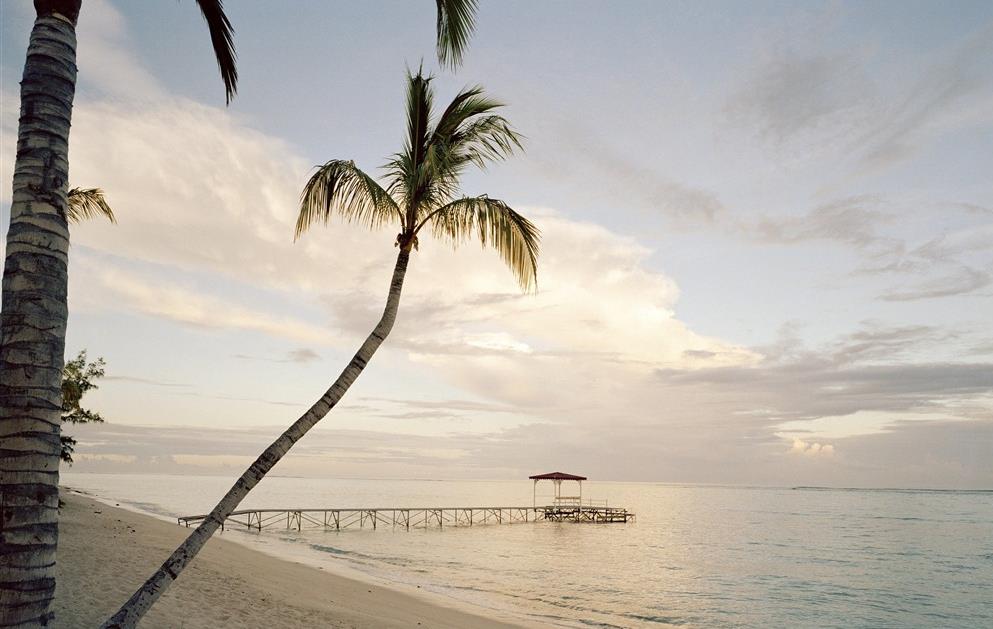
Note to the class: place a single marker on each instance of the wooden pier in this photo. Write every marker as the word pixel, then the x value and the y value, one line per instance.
pixel 413 517
pixel 562 509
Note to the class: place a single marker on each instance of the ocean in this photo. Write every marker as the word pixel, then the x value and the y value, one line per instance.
pixel 695 556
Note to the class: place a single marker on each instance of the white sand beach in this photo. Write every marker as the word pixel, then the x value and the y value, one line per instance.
pixel 105 553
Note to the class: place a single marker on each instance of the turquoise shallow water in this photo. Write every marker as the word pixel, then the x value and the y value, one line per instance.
pixel 697 556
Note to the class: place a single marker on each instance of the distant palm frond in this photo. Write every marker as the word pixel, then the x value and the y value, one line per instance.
pixel 85 203
pixel 222 38
pixel 456 20
pixel 495 224
pixel 340 187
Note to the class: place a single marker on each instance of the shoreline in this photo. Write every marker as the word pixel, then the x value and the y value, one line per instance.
pixel 106 552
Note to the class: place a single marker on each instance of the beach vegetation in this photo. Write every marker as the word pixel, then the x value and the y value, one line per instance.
pixel 79 377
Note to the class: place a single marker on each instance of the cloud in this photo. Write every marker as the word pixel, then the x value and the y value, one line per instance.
pixel 790 96
pixel 921 454
pixel 597 359
pixel 444 405
pixel 598 367
pixel 953 92
pixel 874 342
pixel 209 215
pixel 811 449
pixel 683 204
pixel 807 93
pixel 943 265
pixel 861 383
pixel 301 355
pixel 109 65
pixel 974 208
pixel 206 241
pixel 178 304
pixel 963 281
pixel 852 221
pixel 145 381
pixel 906 454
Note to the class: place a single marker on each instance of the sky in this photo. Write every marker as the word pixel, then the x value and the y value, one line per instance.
pixel 767 243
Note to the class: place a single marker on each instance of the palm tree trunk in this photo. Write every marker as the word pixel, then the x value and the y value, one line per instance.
pixel 142 600
pixel 33 322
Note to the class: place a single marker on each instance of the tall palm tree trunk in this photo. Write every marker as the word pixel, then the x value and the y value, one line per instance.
pixel 33 322
pixel 139 603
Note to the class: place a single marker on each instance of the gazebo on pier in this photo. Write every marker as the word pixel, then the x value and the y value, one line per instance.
pixel 557 478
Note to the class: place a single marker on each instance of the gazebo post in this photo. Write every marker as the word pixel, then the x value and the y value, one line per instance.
pixel 534 495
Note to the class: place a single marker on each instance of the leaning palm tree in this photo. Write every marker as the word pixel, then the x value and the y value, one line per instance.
pixel 33 322
pixel 418 193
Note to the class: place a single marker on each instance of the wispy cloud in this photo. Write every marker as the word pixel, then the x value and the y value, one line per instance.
pixel 190 307
pixel 681 203
pixel 941 266
pixel 954 91
pixel 301 355
pixel 146 381
pixel 795 97
pixel 963 281
pixel 813 94
pixel 853 221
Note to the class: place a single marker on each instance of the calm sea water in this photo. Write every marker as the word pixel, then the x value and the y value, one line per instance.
pixel 697 556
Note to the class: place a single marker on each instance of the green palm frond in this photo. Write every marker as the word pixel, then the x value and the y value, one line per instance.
pixel 495 224
pixel 222 39
pixel 420 100
pixel 468 132
pixel 456 20
pixel 85 203
pixel 426 173
pixel 485 139
pixel 471 101
pixel 340 187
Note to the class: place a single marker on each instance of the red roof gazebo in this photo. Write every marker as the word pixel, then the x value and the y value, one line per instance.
pixel 557 478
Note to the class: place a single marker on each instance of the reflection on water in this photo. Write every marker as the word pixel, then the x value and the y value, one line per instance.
pixel 700 556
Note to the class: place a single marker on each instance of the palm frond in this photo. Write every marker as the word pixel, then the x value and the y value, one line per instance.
pixel 340 187
pixel 481 140
pixel 466 132
pixel 222 39
pixel 406 175
pixel 495 224
pixel 456 21
pixel 85 203
pixel 420 100
pixel 469 102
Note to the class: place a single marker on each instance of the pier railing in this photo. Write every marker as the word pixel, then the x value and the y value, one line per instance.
pixel 572 501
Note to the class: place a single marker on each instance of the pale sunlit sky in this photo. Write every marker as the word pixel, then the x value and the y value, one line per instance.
pixel 767 242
